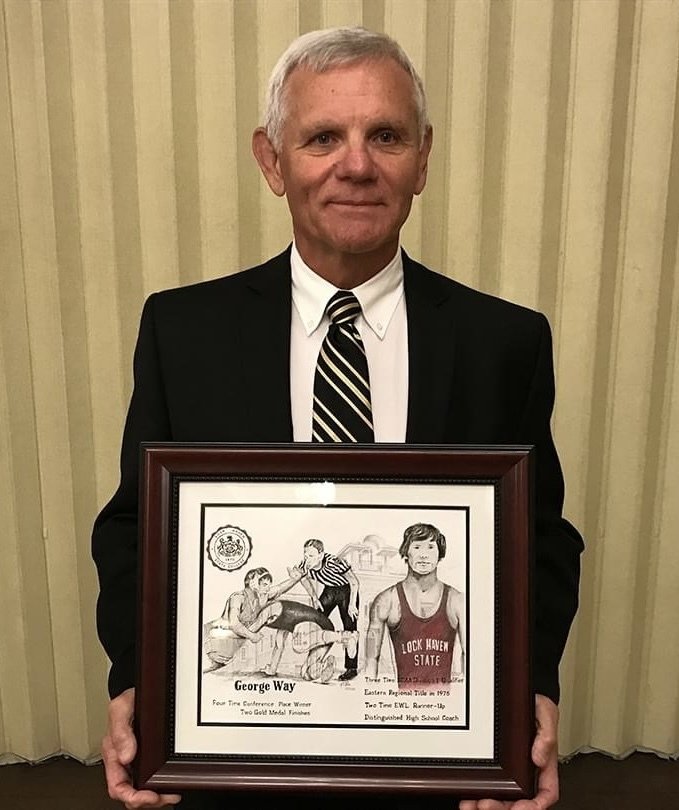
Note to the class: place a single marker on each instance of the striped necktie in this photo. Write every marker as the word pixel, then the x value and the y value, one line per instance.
pixel 342 410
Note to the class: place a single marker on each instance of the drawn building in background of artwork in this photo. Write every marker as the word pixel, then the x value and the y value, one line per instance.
pixel 377 565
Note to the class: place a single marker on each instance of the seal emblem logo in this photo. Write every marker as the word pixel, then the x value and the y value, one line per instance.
pixel 229 548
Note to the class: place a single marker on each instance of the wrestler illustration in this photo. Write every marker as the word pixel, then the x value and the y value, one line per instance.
pixel 312 633
pixel 424 615
pixel 340 590
pixel 244 615
pixel 257 606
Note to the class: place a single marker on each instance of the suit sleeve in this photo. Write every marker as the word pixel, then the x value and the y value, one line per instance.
pixel 116 529
pixel 557 543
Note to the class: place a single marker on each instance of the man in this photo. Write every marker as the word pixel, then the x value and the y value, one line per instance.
pixel 346 139
pixel 425 616
pixel 340 590
pixel 312 633
pixel 244 615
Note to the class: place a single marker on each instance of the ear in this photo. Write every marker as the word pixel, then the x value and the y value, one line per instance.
pixel 268 160
pixel 425 149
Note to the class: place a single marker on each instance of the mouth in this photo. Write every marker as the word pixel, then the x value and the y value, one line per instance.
pixel 356 203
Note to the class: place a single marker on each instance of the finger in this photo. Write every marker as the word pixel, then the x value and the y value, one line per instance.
pixel 137 799
pixel 548 784
pixel 121 712
pixel 545 744
pixel 547 794
pixel 548 790
pixel 116 773
pixel 540 802
pixel 120 787
pixel 123 741
pixel 544 747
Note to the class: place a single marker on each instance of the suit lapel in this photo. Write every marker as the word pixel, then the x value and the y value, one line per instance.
pixel 431 324
pixel 265 351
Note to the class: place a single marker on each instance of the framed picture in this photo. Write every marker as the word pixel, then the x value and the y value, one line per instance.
pixel 338 618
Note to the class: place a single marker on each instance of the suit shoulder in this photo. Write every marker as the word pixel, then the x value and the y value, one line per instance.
pixel 225 288
pixel 474 306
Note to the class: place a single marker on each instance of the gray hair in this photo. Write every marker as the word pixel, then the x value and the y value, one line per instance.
pixel 324 50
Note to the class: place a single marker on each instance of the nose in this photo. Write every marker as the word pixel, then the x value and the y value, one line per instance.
pixel 356 163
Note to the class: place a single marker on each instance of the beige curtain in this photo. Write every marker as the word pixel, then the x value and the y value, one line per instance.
pixel 125 167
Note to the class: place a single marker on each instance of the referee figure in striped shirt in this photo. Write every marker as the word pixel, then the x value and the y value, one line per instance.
pixel 340 590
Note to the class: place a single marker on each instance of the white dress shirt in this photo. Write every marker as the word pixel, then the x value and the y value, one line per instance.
pixel 383 327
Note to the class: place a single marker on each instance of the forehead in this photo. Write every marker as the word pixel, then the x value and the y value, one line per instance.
pixel 377 87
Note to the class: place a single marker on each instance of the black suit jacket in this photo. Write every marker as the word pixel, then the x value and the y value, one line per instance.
pixel 212 363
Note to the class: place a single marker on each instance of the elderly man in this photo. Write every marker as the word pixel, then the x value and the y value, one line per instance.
pixel 342 337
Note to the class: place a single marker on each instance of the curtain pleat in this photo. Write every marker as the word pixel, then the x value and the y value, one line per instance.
pixel 125 167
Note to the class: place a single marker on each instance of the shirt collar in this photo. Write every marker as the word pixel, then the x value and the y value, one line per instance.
pixel 378 296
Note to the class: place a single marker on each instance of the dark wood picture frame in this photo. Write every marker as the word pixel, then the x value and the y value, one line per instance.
pixel 508 775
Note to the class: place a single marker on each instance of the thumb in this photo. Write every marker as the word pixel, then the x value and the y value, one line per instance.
pixel 541 751
pixel 545 744
pixel 124 743
pixel 121 712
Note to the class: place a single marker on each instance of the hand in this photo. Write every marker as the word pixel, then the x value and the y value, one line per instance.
pixel 545 756
pixel 295 573
pixel 353 611
pixel 119 748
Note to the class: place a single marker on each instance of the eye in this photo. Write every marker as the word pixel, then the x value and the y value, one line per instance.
pixel 322 139
pixel 387 137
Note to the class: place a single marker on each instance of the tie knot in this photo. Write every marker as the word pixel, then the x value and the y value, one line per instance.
pixel 343 307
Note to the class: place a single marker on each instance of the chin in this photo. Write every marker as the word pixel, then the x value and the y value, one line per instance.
pixel 358 244
pixel 360 234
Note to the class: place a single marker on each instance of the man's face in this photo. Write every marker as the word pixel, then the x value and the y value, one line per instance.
pixel 423 556
pixel 312 557
pixel 262 585
pixel 350 160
